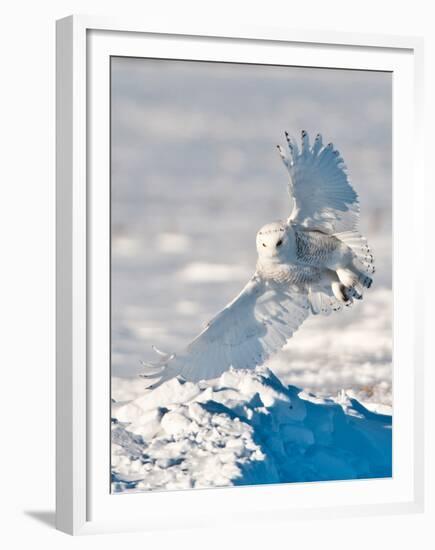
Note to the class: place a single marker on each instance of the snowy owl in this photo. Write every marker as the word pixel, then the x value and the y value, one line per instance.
pixel 314 262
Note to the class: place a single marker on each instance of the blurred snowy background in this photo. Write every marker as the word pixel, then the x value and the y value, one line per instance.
pixel 195 174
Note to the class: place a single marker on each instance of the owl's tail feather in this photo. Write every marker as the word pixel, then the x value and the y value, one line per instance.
pixel 364 257
pixel 322 301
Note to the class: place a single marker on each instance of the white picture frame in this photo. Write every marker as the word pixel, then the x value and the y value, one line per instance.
pixel 83 501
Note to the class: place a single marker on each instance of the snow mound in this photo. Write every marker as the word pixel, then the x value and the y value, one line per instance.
pixel 244 428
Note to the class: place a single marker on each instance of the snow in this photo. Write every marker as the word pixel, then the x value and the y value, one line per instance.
pixel 198 272
pixel 246 427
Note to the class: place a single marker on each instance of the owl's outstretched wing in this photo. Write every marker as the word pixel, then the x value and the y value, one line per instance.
pixel 252 327
pixel 322 196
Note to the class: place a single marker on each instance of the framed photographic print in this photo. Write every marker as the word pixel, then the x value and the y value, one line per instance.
pixel 237 319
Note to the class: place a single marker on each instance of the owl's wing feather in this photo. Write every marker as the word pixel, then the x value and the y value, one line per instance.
pixel 252 327
pixel 322 195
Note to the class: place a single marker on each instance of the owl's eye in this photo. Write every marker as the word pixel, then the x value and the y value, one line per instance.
pixel 279 243
pixel 264 244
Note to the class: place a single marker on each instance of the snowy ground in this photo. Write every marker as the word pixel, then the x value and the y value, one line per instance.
pixel 195 173
pixel 244 428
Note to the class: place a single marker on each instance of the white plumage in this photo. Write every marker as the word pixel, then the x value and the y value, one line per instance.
pixel 322 196
pixel 316 262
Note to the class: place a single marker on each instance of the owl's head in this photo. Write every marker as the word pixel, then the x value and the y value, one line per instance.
pixel 273 241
